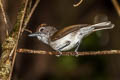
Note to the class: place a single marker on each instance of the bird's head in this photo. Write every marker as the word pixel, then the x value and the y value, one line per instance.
pixel 43 33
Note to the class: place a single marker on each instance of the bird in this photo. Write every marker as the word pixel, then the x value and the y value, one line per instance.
pixel 68 37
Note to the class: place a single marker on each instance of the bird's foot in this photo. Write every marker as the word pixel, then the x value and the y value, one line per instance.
pixel 76 54
pixel 60 53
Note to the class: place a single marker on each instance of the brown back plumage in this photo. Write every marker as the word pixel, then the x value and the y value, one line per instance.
pixel 63 32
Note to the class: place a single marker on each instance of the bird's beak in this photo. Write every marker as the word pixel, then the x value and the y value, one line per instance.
pixel 34 34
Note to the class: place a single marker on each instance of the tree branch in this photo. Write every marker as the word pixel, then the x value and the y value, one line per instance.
pixel 117 6
pixel 3 12
pixel 29 16
pixel 23 24
pixel 105 52
pixel 4 15
pixel 76 5
pixel 17 38
pixel 8 48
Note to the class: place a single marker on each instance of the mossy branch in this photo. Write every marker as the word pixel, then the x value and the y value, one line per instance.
pixel 9 46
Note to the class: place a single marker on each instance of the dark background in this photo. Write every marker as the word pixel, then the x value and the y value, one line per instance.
pixel 61 13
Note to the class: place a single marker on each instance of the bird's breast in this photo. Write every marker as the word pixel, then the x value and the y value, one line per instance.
pixel 60 43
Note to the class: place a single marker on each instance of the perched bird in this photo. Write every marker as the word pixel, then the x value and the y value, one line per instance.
pixel 68 37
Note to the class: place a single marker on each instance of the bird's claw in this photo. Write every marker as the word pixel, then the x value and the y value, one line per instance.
pixel 76 54
pixel 60 53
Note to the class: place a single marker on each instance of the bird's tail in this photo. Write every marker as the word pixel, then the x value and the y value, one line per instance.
pixel 101 22
pixel 103 25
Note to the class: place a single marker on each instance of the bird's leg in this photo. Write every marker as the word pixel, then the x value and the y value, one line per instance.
pixel 76 50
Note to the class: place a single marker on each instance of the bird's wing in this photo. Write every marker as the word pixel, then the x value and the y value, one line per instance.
pixel 64 45
pixel 63 32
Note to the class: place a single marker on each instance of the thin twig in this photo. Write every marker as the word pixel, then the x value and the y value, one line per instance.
pixel 4 16
pixel 29 16
pixel 3 11
pixel 69 53
pixel 27 30
pixel 117 6
pixel 76 5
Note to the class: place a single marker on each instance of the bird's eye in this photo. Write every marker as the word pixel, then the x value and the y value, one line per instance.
pixel 41 29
